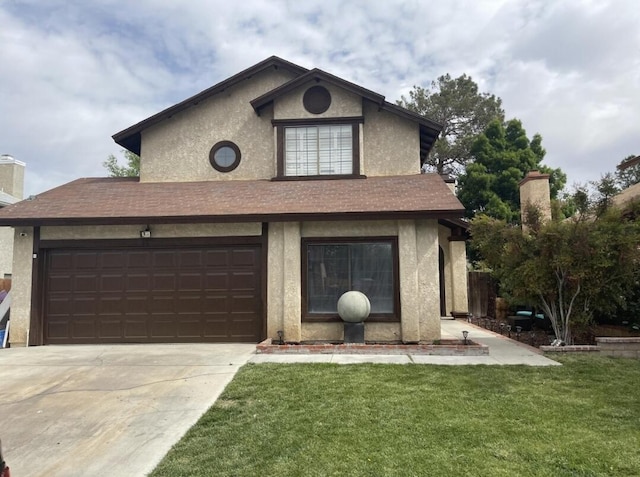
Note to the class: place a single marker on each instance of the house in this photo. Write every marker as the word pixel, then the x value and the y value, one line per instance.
pixel 11 190
pixel 260 201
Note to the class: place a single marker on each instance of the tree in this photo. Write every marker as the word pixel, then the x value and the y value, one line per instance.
pixel 463 112
pixel 628 172
pixel 132 169
pixel 502 157
pixel 571 269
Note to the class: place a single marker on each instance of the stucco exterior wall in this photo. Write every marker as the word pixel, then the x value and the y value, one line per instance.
pixel 428 283
pixel 391 144
pixel 459 276
pixel 21 286
pixel 534 190
pixel 343 103
pixel 12 176
pixel 177 149
pixel 157 231
pixel 6 251
pixel 419 292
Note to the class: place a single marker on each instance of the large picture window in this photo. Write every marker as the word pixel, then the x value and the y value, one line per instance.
pixel 318 150
pixel 333 268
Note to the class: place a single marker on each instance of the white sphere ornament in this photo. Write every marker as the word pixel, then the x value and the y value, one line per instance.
pixel 354 307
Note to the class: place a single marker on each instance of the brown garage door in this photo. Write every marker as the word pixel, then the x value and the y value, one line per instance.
pixel 153 295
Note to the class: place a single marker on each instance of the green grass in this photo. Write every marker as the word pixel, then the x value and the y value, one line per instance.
pixel 580 419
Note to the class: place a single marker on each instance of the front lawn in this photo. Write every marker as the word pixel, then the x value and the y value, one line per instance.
pixel 580 419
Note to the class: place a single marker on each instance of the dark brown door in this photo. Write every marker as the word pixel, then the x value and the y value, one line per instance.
pixel 153 295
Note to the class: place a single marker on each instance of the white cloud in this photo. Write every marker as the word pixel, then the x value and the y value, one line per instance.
pixel 75 72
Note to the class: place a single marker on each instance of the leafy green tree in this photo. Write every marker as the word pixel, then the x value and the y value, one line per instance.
pixel 571 269
pixel 131 169
pixel 502 157
pixel 464 113
pixel 627 175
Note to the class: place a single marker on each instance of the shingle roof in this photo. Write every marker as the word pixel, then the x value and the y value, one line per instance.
pixel 93 201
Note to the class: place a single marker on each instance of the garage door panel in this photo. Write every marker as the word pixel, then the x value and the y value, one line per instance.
pixel 163 282
pixel 217 259
pixel 244 281
pixel 110 329
pixel 155 295
pixel 60 283
pixel 112 282
pixel 61 261
pixel 137 282
pixel 243 258
pixel 190 326
pixel 85 283
pixel 112 260
pixel 83 328
pixel 217 281
pixel 86 261
pixel 139 259
pixel 135 329
pixel 190 258
pixel 190 281
pixel 164 259
pixel 243 303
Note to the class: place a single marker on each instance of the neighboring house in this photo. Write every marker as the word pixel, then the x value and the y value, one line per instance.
pixel 11 190
pixel 260 201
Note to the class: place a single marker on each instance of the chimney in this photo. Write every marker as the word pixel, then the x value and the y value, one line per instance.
pixel 450 181
pixel 12 176
pixel 534 190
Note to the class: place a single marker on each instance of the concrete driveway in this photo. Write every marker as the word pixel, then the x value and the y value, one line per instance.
pixel 106 409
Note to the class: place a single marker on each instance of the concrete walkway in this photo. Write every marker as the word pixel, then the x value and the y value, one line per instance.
pixel 502 350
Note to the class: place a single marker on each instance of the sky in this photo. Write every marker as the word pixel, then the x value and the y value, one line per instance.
pixel 75 72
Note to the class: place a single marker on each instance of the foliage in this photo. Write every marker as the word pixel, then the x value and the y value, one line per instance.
pixel 570 269
pixel 463 112
pixel 627 176
pixel 503 156
pixel 579 419
pixel 131 169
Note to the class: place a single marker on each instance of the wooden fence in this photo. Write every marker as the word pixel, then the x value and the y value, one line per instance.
pixel 482 294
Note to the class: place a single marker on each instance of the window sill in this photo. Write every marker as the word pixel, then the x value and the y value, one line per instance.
pixel 319 178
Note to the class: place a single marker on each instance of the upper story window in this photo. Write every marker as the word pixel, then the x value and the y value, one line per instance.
pixel 320 148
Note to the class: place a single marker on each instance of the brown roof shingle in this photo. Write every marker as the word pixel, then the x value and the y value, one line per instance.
pixel 94 201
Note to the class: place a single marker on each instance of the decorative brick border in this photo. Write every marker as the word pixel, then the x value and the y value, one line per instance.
pixel 570 349
pixel 627 347
pixel 444 348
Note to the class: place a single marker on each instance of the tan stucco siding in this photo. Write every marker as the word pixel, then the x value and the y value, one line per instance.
pixel 459 276
pixel 391 144
pixel 335 331
pixel 343 104
pixel 6 251
pixel 428 282
pixel 157 231
pixel 21 286
pixel 177 149
pixel 419 292
pixel 12 177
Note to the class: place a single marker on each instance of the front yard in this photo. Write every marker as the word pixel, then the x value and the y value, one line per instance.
pixel 580 419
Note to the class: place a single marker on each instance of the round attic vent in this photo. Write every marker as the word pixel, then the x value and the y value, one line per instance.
pixel 316 99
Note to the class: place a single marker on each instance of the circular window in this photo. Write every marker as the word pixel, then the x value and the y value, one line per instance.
pixel 224 156
pixel 316 99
